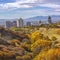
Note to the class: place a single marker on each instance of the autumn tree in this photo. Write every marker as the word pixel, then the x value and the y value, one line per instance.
pixel 19 58
pixel 40 45
pixel 26 57
pixel 53 54
pixel 35 36
pixel 26 46
pixel 15 42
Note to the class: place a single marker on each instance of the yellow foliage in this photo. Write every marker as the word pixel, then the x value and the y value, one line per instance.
pixel 58 32
pixel 51 54
pixel 29 35
pixel 19 58
pixel 25 45
pixel 40 45
pixel 26 57
pixel 15 42
pixel 41 56
pixel 35 36
pixel 1 53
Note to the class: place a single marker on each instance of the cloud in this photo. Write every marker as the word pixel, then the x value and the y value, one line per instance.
pixel 50 5
pixel 32 8
pixel 13 5
pixel 51 1
pixel 53 4
pixel 17 4
pixel 39 1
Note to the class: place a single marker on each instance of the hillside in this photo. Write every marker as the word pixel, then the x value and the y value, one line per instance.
pixel 39 44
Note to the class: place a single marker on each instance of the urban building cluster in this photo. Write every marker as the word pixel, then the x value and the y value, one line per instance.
pixel 20 23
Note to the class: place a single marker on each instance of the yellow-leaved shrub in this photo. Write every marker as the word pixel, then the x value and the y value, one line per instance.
pixel 51 54
pixel 40 45
pixel 35 36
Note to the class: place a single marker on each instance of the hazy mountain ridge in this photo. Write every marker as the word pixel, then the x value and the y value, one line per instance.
pixel 55 18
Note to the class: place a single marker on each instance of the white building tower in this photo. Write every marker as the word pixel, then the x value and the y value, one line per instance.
pixel 20 22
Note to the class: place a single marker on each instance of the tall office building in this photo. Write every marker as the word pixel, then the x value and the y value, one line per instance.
pixel 28 23
pixel 14 23
pixel 8 24
pixel 20 22
pixel 49 20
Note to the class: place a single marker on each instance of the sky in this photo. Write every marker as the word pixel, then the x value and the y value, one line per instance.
pixel 11 9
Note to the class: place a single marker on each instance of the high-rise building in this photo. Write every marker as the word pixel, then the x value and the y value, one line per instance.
pixel 8 24
pixel 20 22
pixel 28 23
pixel 14 23
pixel 35 23
pixel 40 22
pixel 49 20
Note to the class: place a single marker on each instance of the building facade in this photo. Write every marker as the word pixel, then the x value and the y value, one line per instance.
pixel 20 22
pixel 14 23
pixel 28 24
pixel 49 20
pixel 8 24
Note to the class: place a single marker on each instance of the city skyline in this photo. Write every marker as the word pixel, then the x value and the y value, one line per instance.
pixel 10 9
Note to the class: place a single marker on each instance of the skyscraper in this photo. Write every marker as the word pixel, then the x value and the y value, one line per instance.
pixel 20 22
pixel 8 24
pixel 14 23
pixel 28 23
pixel 40 22
pixel 49 20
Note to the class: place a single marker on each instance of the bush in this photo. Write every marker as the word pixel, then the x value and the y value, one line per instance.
pixel 40 45
pixel 51 54
pixel 19 58
pixel 26 57
pixel 35 36
pixel 15 42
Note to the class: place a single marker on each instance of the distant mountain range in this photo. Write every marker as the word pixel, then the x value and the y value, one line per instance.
pixel 54 18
